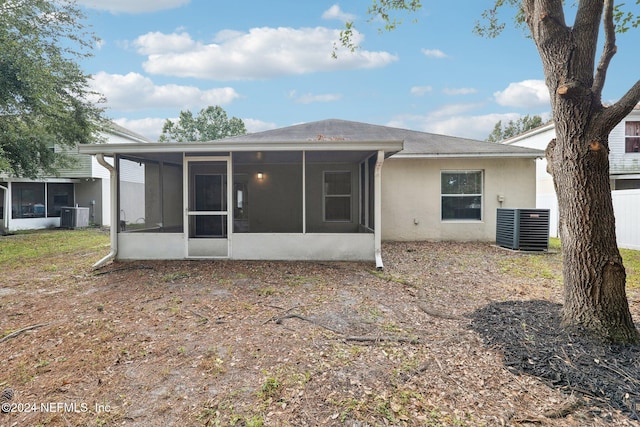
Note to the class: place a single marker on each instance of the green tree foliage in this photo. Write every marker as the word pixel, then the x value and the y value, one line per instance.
pixel 44 95
pixel 512 128
pixel 210 124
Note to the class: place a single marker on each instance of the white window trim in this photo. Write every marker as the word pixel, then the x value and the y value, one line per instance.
pixel 325 196
pixel 481 195
pixel 637 137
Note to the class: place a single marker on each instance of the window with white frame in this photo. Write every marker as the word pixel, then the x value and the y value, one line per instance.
pixel 337 196
pixel 461 193
pixel 632 137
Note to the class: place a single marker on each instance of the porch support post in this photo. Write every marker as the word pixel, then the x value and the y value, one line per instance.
pixel 377 195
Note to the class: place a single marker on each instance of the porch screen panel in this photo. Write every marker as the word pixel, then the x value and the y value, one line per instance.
pixel 372 205
pixel 150 196
pixel 28 200
pixel 59 195
pixel 210 194
pixel 267 192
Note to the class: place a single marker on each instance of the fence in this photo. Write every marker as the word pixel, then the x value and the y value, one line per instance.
pixel 626 207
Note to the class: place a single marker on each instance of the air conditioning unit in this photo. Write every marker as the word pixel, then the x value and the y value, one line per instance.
pixel 74 217
pixel 523 229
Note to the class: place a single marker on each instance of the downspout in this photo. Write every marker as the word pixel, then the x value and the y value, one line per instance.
pixel 5 213
pixel 113 176
pixel 377 220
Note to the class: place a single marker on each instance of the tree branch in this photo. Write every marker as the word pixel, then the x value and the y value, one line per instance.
pixel 608 51
pixel 613 114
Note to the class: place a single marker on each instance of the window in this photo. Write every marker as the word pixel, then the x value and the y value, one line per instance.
pixel 58 196
pixel 28 200
pixel 461 193
pixel 337 196
pixel 632 137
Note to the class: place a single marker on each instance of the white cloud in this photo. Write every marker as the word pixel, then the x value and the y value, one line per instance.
pixel 459 91
pixel 158 43
pixel 420 90
pixel 452 120
pixel 434 53
pixel 525 94
pixel 474 127
pixel 258 54
pixel 133 91
pixel 334 12
pixel 254 125
pixel 309 98
pixel 149 127
pixel 133 6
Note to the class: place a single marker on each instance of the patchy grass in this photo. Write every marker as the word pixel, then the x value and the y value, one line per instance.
pixel 48 245
pixel 242 343
pixel 548 265
pixel 631 260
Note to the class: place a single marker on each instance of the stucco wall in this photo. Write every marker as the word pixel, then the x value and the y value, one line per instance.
pixel 411 197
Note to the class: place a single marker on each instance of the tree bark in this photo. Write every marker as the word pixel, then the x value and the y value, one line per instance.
pixel 595 300
pixel 594 277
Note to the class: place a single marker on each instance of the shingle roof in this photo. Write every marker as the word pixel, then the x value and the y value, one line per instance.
pixel 416 144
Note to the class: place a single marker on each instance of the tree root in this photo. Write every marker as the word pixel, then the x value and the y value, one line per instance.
pixel 382 338
pixel 115 270
pixel 20 331
pixel 437 313
pixel 564 410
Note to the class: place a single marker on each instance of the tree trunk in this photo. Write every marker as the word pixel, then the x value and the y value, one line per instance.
pixel 594 276
pixel 595 300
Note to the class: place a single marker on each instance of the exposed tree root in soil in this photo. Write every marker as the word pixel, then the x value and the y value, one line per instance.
pixel 362 339
pixel 20 331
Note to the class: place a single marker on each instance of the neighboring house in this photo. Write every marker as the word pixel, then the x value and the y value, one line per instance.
pixel 624 161
pixel 33 204
pixel 327 190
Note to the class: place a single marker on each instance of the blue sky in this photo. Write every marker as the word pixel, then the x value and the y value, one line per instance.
pixel 269 63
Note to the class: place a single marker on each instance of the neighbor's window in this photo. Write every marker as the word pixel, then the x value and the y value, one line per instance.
pixel 461 193
pixel 632 137
pixel 337 196
pixel 58 196
pixel 27 199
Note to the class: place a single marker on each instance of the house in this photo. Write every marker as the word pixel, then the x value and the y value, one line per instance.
pixel 326 190
pixel 624 169
pixel 33 204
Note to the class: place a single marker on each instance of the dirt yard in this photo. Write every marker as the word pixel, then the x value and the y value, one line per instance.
pixel 449 334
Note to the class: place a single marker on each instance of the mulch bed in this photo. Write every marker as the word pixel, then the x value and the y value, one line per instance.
pixel 533 343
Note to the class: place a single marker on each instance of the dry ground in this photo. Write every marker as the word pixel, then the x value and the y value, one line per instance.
pixel 450 334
